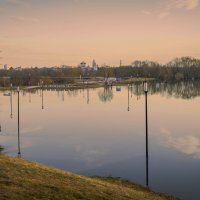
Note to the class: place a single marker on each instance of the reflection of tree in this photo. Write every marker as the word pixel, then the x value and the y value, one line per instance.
pixel 137 89
pixel 1 149
pixel 105 95
pixel 184 90
pixel 72 92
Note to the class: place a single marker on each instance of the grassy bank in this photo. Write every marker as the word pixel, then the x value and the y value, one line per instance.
pixel 20 179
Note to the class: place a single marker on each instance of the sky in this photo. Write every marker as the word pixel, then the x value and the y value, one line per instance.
pixel 57 32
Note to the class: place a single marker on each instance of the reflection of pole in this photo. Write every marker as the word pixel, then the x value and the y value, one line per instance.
pixel 11 113
pixel 147 153
pixel 42 97
pixel 137 92
pixel 131 90
pixel 29 96
pixel 128 99
pixel 88 96
pixel 19 152
pixel 63 95
pixel 83 93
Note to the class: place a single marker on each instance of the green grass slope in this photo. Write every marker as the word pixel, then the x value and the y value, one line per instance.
pixel 20 179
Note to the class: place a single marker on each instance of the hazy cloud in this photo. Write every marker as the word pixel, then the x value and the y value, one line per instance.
pixel 165 8
pixel 23 3
pixel 178 4
pixel 189 145
pixel 183 4
pixel 25 19
pixel 31 130
pixel 164 14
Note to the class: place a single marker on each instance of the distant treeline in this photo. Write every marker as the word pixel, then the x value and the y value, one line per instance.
pixel 185 68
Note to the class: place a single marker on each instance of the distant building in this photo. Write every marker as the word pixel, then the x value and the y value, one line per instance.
pixel 83 65
pixel 120 63
pixel 65 67
pixel 18 68
pixel 5 67
pixel 54 68
pixel 94 65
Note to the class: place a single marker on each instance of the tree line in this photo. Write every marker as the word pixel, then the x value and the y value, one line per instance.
pixel 184 68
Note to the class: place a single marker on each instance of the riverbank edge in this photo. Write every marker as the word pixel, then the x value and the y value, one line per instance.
pixel 22 179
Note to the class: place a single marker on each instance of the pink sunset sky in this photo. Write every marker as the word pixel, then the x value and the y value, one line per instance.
pixel 56 32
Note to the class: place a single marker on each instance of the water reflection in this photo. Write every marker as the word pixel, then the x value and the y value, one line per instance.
pixel 73 93
pixel 63 95
pixel 189 144
pixel 184 90
pixel 105 95
pixel 128 100
pixel 108 140
pixel 88 96
pixel 42 99
pixel 11 106
pixel 29 96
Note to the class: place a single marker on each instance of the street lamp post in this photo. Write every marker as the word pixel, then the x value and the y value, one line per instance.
pixel 19 152
pixel 146 119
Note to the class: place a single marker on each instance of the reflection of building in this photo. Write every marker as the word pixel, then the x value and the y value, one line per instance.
pixel 110 80
pixel 118 88
pixel 105 95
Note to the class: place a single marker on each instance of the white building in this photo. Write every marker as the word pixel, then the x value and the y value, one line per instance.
pixel 94 65
pixel 5 67
pixel 18 68
pixel 83 65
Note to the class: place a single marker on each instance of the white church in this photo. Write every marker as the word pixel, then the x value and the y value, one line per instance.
pixel 83 65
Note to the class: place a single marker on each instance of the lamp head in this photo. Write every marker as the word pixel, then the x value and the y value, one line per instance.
pixel 145 86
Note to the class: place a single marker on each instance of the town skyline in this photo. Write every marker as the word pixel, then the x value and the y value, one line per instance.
pixel 37 33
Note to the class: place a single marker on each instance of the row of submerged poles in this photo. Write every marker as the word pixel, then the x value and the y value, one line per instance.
pixel 18 116
pixel 145 85
pixel 18 113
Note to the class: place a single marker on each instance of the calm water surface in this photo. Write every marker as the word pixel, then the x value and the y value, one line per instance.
pixel 102 132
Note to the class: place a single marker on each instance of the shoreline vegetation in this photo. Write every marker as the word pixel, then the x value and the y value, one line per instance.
pixel 80 85
pixel 21 179
pixel 179 69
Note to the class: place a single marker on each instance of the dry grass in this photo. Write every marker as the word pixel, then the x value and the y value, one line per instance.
pixel 20 179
